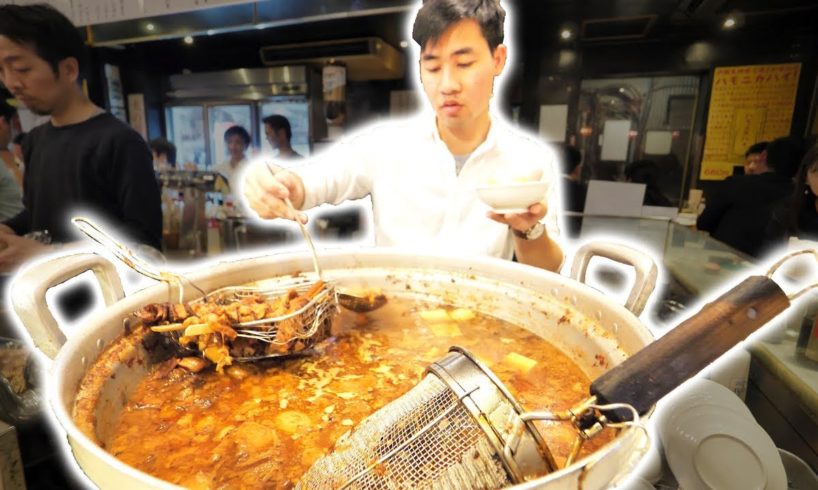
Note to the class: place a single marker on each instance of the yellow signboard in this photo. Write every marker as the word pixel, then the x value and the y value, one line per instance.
pixel 748 104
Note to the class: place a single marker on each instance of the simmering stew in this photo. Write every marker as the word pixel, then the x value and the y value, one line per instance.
pixel 263 425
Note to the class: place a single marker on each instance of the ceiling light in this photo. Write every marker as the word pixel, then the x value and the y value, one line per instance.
pixel 404 44
pixel 566 34
pixel 210 32
pixel 188 39
pixel 150 27
pixel 729 22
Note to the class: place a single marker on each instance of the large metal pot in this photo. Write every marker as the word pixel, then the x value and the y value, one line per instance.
pixel 574 317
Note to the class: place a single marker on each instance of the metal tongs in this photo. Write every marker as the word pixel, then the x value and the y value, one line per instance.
pixel 631 389
pixel 129 258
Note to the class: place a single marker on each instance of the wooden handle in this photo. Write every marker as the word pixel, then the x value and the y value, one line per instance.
pixel 653 372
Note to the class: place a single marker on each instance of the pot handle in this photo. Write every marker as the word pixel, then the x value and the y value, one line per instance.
pixel 646 269
pixel 30 286
pixel 647 376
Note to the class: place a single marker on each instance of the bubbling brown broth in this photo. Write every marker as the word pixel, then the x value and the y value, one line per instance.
pixel 263 425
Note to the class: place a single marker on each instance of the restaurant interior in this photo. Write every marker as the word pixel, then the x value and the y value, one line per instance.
pixel 661 100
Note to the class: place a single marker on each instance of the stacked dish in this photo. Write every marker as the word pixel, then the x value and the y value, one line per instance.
pixel 712 441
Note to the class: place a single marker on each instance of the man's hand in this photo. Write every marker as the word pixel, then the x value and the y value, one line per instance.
pixel 265 188
pixel 16 250
pixel 522 221
pixel 542 252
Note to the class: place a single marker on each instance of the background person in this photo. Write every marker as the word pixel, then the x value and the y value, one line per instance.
pixel 739 211
pixel 164 154
pixel 82 159
pixel 755 159
pixel 238 140
pixel 279 135
pixel 7 114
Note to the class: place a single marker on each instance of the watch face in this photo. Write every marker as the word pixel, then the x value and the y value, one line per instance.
pixel 535 232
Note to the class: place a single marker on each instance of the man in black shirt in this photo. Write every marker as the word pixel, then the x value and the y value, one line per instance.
pixel 83 159
pixel 739 211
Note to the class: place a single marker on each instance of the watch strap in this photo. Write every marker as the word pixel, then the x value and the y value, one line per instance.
pixel 527 234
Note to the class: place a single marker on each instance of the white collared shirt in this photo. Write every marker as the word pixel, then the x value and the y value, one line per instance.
pixel 418 200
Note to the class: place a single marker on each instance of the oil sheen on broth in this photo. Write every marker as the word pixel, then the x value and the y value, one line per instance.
pixel 262 426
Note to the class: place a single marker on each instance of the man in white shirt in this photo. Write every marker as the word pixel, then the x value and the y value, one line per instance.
pixel 422 173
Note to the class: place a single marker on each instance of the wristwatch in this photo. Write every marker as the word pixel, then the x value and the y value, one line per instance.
pixel 533 233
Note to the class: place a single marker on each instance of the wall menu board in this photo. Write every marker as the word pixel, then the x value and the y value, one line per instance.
pixel 748 104
pixel 90 12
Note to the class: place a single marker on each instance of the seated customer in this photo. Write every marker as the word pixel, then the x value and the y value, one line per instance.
pixel 647 172
pixel 798 216
pixel 755 159
pixel 738 212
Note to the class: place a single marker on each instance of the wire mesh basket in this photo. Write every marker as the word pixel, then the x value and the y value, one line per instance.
pixel 454 430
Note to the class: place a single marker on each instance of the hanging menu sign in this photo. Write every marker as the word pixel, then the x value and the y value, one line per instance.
pixel 748 104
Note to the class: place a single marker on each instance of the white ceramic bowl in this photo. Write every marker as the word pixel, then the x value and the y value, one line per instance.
pixel 512 198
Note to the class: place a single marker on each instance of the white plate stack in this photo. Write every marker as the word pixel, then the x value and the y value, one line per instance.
pixel 712 441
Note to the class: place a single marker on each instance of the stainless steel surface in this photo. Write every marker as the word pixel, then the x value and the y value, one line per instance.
pixel 367 58
pixel 244 83
pixel 29 288
pixel 232 18
pixel 243 76
pixel 575 318
pixel 646 270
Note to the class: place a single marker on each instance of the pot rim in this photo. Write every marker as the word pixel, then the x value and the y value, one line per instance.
pixel 476 265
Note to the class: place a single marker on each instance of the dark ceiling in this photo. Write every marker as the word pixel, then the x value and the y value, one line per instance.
pixel 535 22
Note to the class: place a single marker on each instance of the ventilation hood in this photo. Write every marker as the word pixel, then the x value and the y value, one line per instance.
pixel 367 58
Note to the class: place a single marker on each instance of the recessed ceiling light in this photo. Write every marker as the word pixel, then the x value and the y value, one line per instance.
pixel 621 90
pixel 150 27
pixel 729 22
pixel 404 44
pixel 188 39
pixel 566 34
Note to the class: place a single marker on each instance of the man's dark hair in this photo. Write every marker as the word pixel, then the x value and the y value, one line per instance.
pixel 7 112
pixel 161 146
pixel 237 131
pixel 569 157
pixel 757 148
pixel 18 140
pixel 279 122
pixel 45 29
pixel 435 16
pixel 784 155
